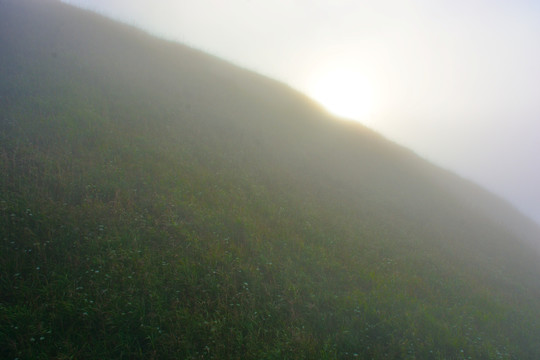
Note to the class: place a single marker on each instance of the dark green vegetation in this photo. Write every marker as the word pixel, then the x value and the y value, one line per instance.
pixel 156 202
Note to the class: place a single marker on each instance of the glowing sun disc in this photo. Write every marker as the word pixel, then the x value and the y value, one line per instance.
pixel 344 93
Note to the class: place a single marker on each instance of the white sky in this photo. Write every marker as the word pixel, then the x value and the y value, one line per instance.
pixel 456 81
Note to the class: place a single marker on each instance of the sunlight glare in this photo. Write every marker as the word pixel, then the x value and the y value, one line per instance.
pixel 344 92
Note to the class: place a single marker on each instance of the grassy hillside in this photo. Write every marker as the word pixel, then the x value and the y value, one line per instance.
pixel 156 202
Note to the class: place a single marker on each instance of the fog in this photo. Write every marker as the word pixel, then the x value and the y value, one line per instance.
pixel 455 81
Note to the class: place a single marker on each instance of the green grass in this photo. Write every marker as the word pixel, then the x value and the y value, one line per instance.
pixel 168 205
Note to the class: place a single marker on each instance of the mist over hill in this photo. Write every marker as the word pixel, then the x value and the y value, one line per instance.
pixel 157 202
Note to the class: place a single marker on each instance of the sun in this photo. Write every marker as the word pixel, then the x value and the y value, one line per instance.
pixel 344 92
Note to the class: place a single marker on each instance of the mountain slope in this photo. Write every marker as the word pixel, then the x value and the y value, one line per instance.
pixel 159 202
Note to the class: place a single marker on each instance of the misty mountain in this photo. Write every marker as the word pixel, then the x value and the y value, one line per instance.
pixel 158 202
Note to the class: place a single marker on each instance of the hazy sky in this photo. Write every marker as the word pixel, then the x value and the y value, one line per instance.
pixel 457 81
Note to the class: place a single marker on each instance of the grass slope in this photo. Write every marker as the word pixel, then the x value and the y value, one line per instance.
pixel 156 202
